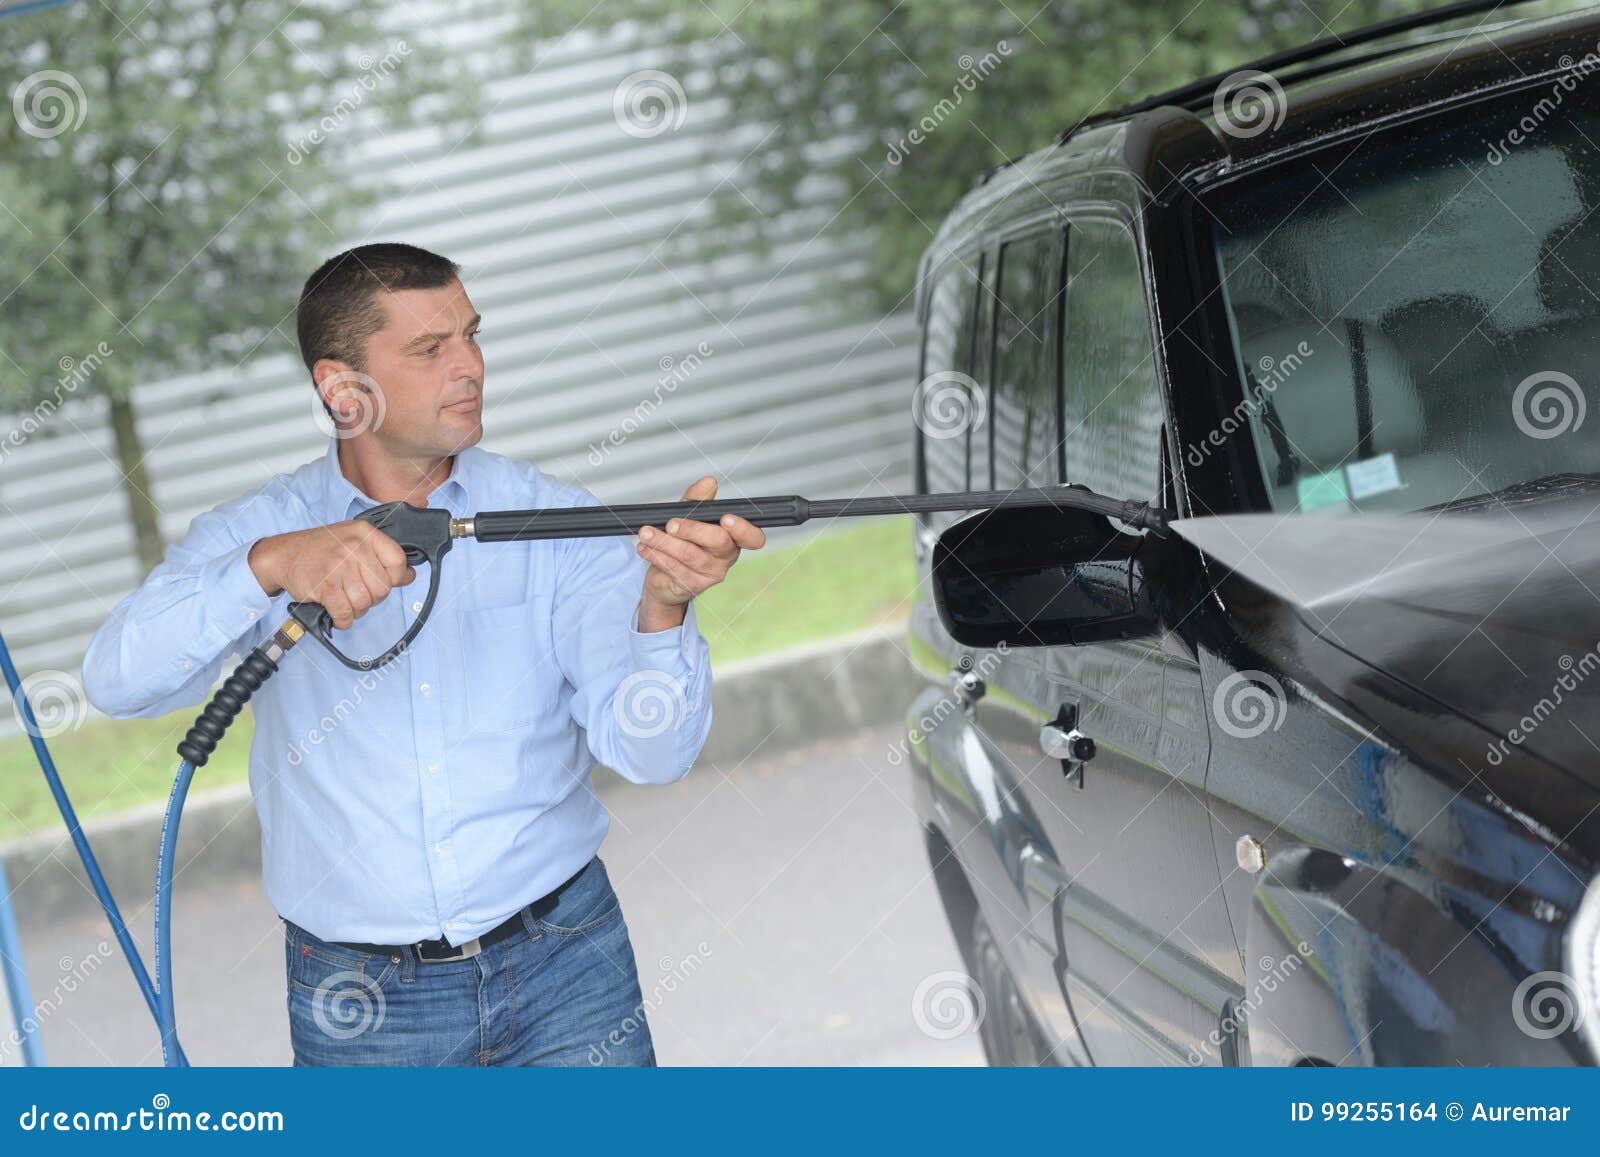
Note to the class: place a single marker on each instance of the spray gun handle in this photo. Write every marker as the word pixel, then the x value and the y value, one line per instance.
pixel 424 533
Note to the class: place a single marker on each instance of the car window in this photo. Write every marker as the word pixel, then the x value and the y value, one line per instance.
pixel 944 406
pixel 980 475
pixel 1111 395
pixel 1415 326
pixel 1025 384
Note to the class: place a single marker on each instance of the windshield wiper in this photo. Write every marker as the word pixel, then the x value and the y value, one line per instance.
pixel 1529 490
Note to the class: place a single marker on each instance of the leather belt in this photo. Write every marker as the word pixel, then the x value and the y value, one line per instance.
pixel 440 951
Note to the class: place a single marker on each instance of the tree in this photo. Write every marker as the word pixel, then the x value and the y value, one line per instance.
pixel 834 90
pixel 170 173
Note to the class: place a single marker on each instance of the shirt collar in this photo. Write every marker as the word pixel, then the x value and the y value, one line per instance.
pixel 345 500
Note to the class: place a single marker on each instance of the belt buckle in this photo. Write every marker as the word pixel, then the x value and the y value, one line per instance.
pixel 464 951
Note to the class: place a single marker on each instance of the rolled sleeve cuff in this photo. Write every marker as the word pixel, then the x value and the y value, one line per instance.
pixel 661 650
pixel 235 601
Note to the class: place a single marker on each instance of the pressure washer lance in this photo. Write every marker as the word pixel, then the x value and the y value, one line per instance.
pixel 426 534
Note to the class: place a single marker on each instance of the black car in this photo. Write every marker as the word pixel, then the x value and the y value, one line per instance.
pixel 1312 775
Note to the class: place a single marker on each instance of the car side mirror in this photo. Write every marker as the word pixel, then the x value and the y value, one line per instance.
pixel 1040 576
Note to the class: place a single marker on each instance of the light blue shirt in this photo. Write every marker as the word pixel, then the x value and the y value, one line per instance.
pixel 440 794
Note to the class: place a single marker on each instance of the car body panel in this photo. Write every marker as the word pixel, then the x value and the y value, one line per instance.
pixel 1346 884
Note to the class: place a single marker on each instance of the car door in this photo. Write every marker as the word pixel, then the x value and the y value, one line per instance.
pixel 1010 700
pixel 972 792
pixel 1139 912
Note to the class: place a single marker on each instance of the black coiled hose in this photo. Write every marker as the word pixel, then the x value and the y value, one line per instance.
pixel 225 705
pixel 258 666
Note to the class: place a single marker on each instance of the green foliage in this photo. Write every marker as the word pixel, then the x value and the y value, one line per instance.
pixel 155 197
pixel 840 84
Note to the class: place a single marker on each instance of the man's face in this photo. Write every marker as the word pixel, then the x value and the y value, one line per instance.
pixel 429 369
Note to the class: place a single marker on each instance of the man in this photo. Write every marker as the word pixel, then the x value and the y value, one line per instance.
pixel 429 830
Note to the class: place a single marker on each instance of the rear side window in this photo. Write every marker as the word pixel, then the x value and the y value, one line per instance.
pixel 1111 395
pixel 980 475
pixel 1025 382
pixel 946 411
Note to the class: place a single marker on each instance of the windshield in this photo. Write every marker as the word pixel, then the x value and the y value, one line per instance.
pixel 1416 315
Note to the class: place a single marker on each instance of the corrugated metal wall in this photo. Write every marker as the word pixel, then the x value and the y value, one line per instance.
pixel 576 240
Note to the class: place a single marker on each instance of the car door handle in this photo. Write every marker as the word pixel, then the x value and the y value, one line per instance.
pixel 968 686
pixel 1065 743
pixel 1071 746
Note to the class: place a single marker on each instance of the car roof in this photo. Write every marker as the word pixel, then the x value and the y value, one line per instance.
pixel 1347 90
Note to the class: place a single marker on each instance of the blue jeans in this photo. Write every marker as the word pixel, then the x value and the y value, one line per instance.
pixel 562 991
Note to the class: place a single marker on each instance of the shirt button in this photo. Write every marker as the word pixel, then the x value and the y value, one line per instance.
pixel 417 606
pixel 433 768
pixel 425 688
pixel 187 664
pixel 252 616
pixel 438 849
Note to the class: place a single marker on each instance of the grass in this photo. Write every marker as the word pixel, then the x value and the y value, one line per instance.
pixel 109 765
pixel 831 583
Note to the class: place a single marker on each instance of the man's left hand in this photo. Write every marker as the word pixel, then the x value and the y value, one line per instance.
pixel 690 557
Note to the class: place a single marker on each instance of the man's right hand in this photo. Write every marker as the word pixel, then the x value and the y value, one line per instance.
pixel 348 567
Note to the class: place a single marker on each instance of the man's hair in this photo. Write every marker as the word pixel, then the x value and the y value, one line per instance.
pixel 340 309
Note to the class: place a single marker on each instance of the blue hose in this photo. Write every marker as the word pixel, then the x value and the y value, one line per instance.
pixel 166 1015
pixel 91 866
pixel 16 977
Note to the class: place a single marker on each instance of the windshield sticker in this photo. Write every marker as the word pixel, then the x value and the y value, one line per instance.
pixel 1321 490
pixel 1372 476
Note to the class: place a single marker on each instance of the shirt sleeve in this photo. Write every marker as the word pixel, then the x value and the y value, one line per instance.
pixel 643 697
pixel 163 646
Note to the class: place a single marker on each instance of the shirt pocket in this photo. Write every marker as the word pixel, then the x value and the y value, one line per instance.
pixel 509 672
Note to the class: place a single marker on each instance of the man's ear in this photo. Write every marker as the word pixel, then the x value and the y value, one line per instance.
pixel 341 387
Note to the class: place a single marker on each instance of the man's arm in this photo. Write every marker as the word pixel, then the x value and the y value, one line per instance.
pixel 647 710
pixel 643 697
pixel 163 645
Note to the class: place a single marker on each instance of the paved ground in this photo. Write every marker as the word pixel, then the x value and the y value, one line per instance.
pixel 803 875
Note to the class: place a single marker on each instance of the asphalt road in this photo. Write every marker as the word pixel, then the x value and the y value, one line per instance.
pixel 787 899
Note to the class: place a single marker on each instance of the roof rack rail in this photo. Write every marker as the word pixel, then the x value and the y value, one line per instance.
pixel 1200 91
